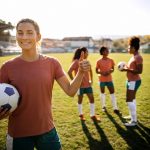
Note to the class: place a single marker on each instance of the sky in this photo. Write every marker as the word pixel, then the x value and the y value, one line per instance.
pixel 72 18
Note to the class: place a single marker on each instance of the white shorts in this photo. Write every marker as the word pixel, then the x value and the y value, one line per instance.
pixel 133 85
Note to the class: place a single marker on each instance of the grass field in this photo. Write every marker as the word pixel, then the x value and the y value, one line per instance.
pixel 110 133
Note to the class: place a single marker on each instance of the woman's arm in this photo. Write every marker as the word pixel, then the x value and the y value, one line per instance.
pixel 138 69
pixel 91 76
pixel 70 73
pixel 71 88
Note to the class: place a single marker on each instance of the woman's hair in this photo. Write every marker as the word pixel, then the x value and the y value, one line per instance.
pixel 27 20
pixel 78 52
pixel 134 42
pixel 102 49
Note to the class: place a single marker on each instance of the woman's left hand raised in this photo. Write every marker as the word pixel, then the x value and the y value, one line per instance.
pixel 84 65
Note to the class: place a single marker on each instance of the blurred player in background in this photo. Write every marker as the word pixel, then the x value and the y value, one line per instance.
pixel 104 69
pixel 86 85
pixel 133 69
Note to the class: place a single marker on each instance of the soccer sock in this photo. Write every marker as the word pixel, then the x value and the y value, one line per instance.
pixel 102 99
pixel 132 110
pixel 114 101
pixel 80 109
pixel 134 101
pixel 92 109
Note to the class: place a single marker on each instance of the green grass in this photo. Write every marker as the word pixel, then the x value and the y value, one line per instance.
pixel 110 133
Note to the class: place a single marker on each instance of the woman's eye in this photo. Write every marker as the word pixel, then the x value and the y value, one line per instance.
pixel 20 33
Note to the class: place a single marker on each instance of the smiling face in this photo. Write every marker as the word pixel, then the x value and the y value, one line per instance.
pixel 27 36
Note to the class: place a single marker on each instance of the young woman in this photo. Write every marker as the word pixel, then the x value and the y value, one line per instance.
pixel 133 69
pixel 33 74
pixel 104 68
pixel 85 87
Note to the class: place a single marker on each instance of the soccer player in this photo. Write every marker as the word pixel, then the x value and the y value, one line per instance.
pixel 133 69
pixel 33 74
pixel 104 68
pixel 86 85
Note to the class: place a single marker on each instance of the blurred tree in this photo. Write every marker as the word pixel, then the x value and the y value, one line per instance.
pixel 4 30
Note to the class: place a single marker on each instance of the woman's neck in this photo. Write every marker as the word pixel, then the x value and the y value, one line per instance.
pixel 104 57
pixel 135 53
pixel 29 56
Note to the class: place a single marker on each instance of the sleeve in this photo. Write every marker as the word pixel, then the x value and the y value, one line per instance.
pixel 4 74
pixel 59 72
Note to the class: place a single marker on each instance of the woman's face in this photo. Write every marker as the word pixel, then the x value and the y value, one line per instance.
pixel 85 54
pixel 27 36
pixel 106 52
pixel 131 50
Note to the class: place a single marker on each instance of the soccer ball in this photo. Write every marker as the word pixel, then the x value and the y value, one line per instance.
pixel 9 97
pixel 121 65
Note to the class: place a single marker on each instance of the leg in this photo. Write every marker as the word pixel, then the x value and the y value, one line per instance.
pixel 113 97
pixel 102 89
pixel 80 98
pixel 92 106
pixel 130 99
pixel 102 97
pixel 111 89
pixel 138 83
pixel 131 104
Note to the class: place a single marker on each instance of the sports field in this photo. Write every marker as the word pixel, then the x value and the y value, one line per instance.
pixel 110 133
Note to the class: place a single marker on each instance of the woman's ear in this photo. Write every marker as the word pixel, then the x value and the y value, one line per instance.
pixel 39 37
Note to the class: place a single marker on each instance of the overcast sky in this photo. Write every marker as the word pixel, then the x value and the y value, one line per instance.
pixel 96 18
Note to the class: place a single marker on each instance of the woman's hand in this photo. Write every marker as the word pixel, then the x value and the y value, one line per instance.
pixel 84 65
pixel 125 68
pixel 4 113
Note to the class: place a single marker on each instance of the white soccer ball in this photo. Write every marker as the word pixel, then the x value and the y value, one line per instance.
pixel 121 65
pixel 9 97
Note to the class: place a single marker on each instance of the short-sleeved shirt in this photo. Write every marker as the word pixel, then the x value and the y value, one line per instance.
pixel 74 68
pixel 105 64
pixel 34 82
pixel 132 64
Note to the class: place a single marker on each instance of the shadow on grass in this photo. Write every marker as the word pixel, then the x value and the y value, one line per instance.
pixel 144 131
pixel 93 143
pixel 134 140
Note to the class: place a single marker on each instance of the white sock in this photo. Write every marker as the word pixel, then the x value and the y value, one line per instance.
pixel 80 109
pixel 114 101
pixel 132 110
pixel 92 109
pixel 134 101
pixel 102 99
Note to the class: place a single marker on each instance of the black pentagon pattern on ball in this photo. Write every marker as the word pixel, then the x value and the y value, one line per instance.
pixel 119 66
pixel 9 91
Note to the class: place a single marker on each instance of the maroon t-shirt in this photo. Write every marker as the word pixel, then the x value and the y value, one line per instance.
pixel 132 64
pixel 34 82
